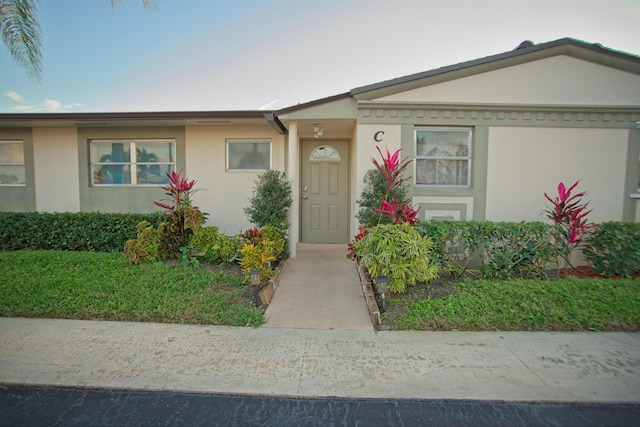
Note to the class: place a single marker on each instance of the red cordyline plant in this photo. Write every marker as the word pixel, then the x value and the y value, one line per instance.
pixel 180 191
pixel 392 169
pixel 176 234
pixel 351 250
pixel 570 214
pixel 399 212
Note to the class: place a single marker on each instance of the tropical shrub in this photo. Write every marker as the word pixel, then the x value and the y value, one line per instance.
pixel 495 249
pixel 261 249
pixel 614 249
pixel 398 252
pixel 570 215
pixel 351 247
pixel 183 218
pixel 375 190
pixel 392 170
pixel 146 248
pixel 271 200
pixel 214 246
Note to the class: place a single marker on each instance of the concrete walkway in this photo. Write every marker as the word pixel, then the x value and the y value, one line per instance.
pixel 319 289
pixel 503 366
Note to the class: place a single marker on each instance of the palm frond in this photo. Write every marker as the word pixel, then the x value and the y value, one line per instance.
pixel 21 34
pixel 147 4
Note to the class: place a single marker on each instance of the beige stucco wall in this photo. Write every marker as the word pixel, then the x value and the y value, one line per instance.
pixel 224 195
pixel 556 80
pixel 524 163
pixel 55 156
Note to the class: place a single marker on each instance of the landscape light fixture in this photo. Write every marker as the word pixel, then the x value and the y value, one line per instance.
pixel 382 284
pixel 255 277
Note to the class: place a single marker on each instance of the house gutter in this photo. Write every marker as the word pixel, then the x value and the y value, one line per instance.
pixel 87 119
pixel 275 123
pixel 171 115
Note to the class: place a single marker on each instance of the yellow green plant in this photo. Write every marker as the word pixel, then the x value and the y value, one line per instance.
pixel 257 257
pixel 262 247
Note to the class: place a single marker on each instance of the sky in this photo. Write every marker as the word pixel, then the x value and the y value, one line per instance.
pixel 215 55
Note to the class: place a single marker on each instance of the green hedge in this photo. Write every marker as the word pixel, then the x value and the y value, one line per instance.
pixel 614 249
pixel 492 249
pixel 82 231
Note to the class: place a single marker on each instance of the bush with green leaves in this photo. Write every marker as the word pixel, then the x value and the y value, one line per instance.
pixel 271 201
pixel 496 249
pixel 262 248
pixel 146 247
pixel 398 252
pixel 375 189
pixel 216 247
pixel 70 231
pixel 614 249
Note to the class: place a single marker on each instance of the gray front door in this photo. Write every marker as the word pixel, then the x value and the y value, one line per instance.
pixel 324 194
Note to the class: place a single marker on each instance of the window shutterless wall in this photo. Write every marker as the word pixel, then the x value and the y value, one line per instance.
pixel 20 198
pixel 225 193
pixel 465 202
pixel 472 202
pixel 123 198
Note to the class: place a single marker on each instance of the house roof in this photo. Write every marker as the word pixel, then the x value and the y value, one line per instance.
pixel 525 52
pixel 166 118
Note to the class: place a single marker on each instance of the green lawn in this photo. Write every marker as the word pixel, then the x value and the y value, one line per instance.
pixel 103 286
pixel 542 305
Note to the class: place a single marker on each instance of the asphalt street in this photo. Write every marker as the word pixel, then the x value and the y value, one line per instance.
pixel 59 406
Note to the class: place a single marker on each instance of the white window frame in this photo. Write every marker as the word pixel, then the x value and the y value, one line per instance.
pixel 230 142
pixel 468 157
pixel 133 161
pixel 14 164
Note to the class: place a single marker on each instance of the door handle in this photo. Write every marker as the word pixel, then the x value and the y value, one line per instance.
pixel 305 197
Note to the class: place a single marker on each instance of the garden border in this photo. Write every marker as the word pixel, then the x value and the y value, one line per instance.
pixel 369 296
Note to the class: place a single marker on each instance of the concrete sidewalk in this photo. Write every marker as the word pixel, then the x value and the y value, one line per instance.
pixel 319 289
pixel 500 366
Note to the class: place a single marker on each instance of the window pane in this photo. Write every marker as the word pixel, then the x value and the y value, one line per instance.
pixel 325 153
pixel 442 143
pixel 249 155
pixel 11 152
pixel 442 172
pixel 110 152
pixel 153 174
pixel 12 175
pixel 111 174
pixel 152 152
pixel 111 161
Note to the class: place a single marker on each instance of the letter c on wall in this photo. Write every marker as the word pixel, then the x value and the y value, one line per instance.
pixel 377 137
